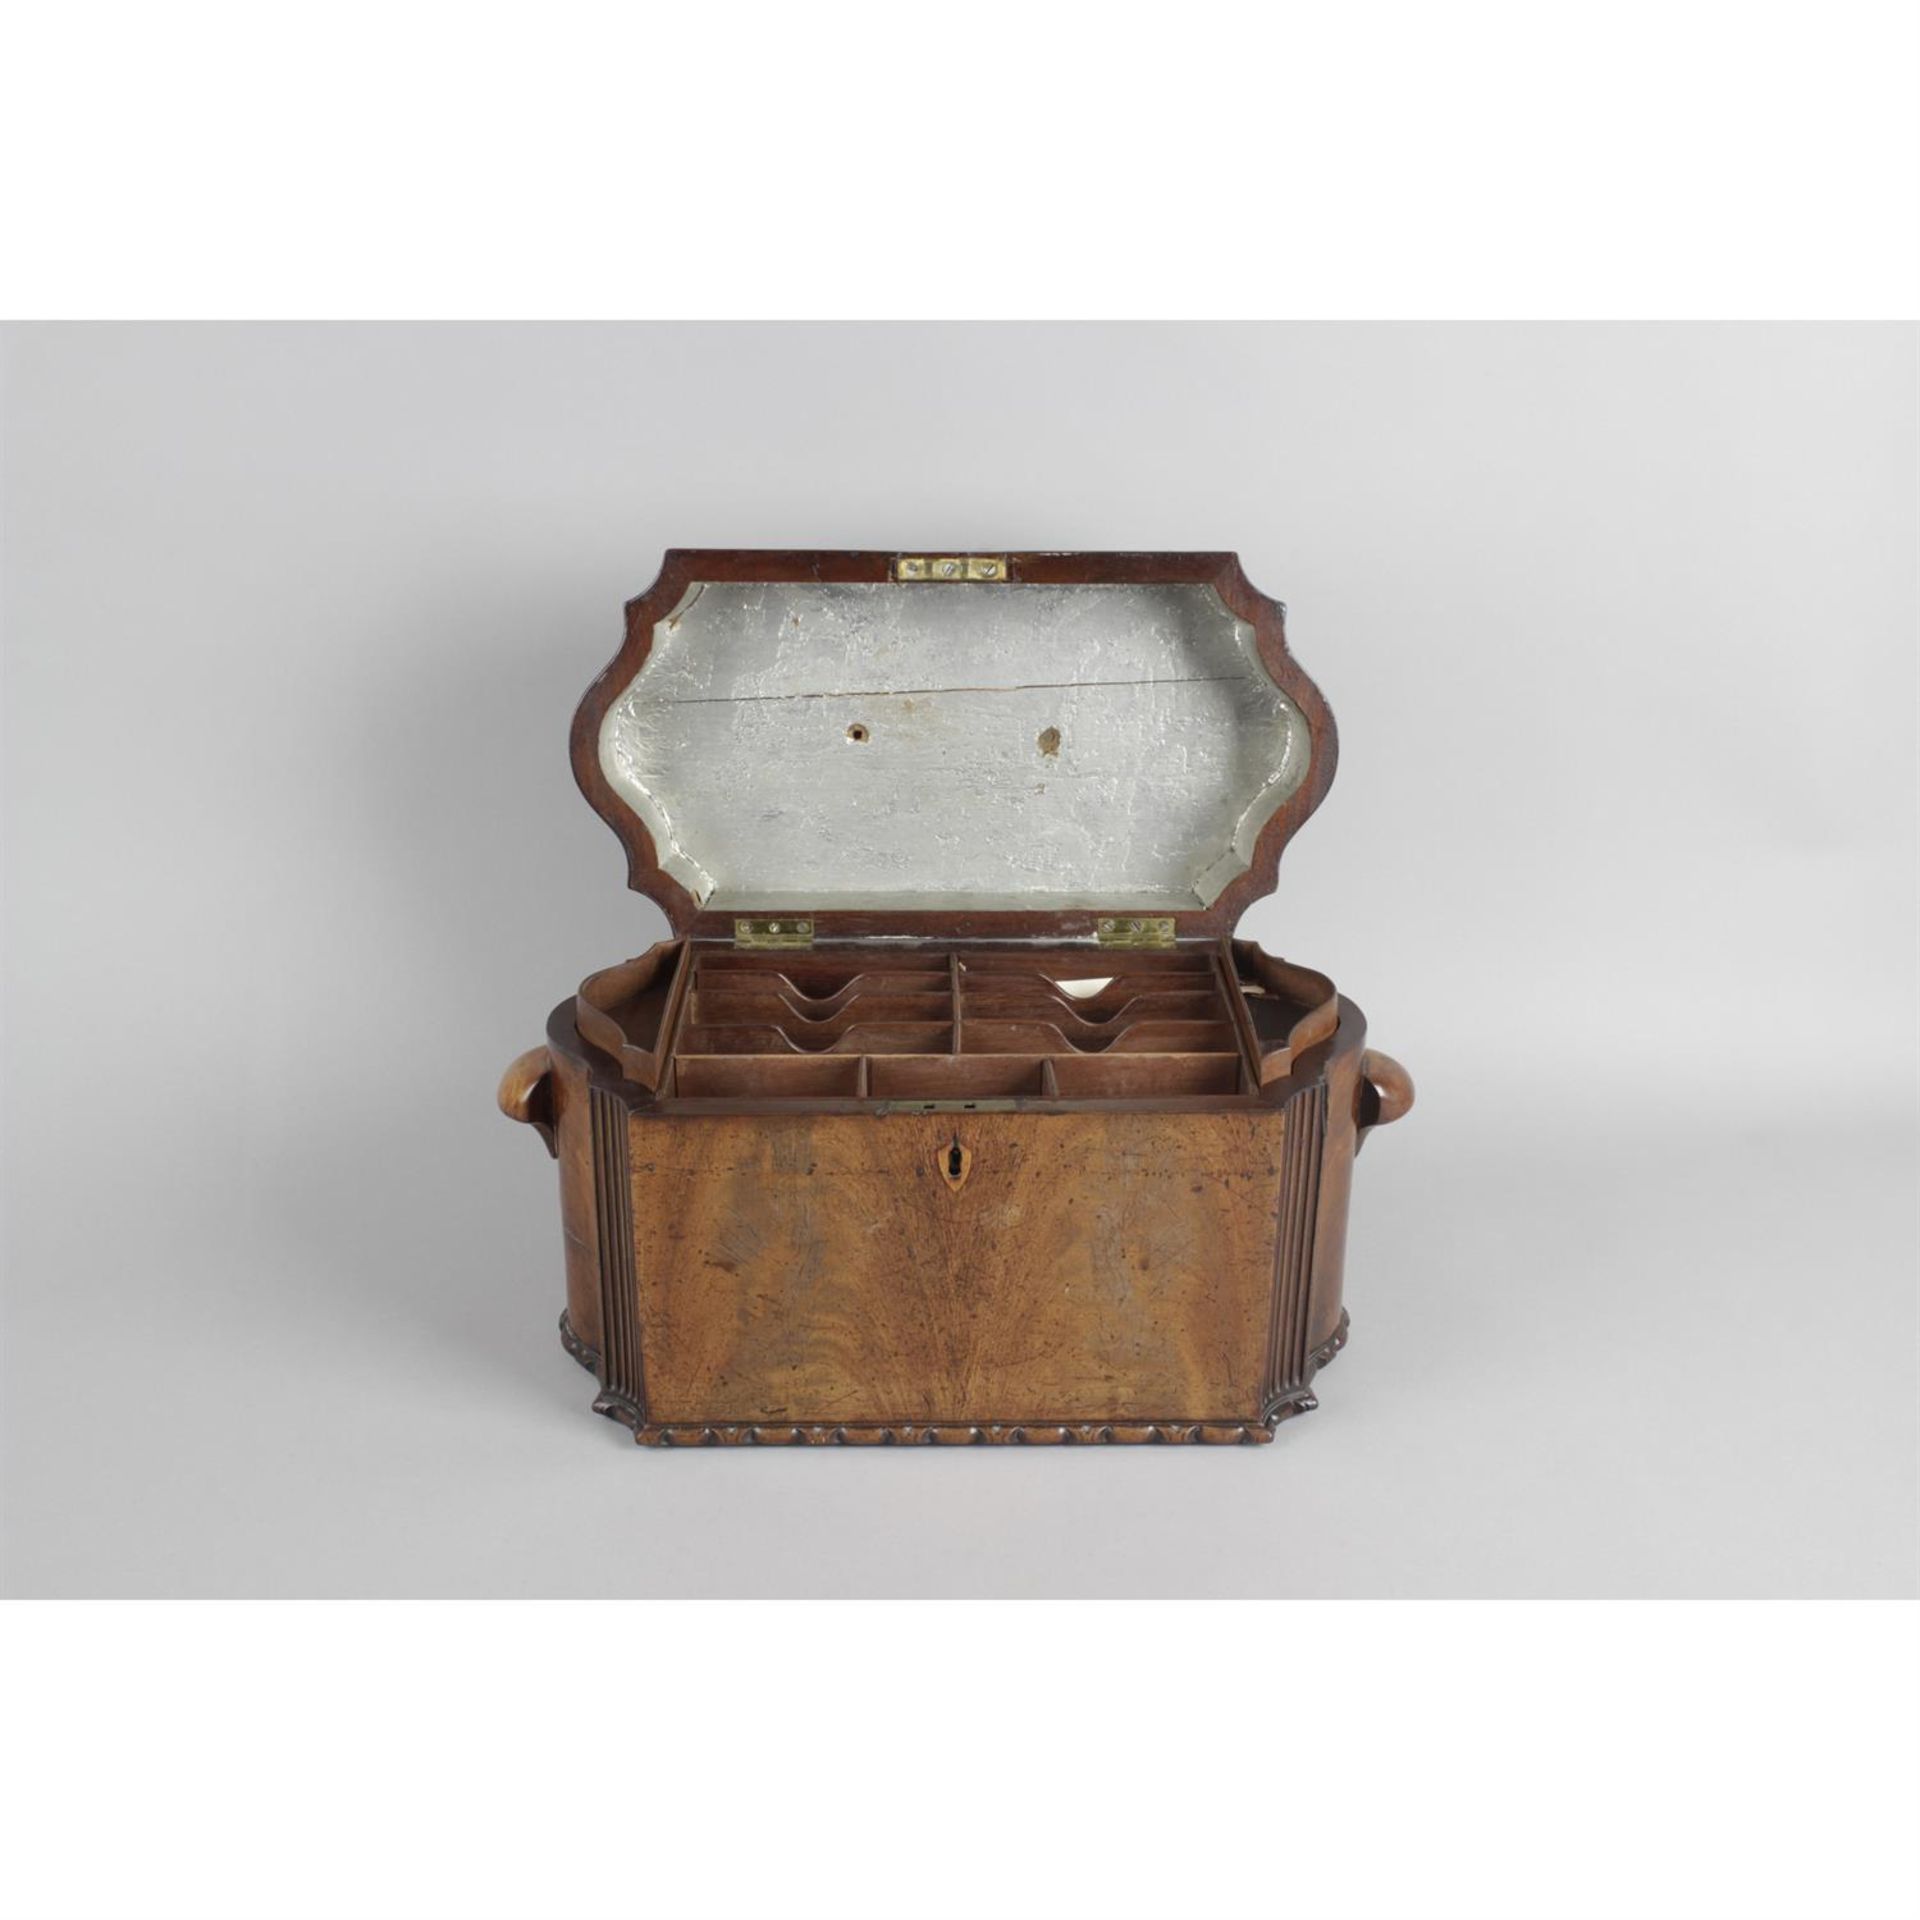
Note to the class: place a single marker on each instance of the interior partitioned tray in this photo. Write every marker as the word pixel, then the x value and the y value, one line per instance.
pixel 955 1077
pixel 1091 1013
pixel 731 1007
pixel 792 1076
pixel 629 1011
pixel 1287 1008
pixel 1135 1036
pixel 1083 963
pixel 1064 1005
pixel 1052 1077
pixel 962 1025
pixel 1147 1076
pixel 866 1036
pixel 805 978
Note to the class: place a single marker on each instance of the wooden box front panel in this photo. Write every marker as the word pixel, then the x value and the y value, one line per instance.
pixel 821 1268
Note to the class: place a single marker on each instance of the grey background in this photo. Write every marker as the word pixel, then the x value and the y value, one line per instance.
pixel 1619 623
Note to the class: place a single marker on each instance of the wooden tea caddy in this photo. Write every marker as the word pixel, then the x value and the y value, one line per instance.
pixel 952 1112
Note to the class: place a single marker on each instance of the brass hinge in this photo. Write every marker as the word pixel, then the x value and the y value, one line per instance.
pixel 1136 931
pixel 954 566
pixel 773 933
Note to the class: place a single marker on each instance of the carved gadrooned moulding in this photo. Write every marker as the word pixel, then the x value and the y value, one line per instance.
pixel 618 1407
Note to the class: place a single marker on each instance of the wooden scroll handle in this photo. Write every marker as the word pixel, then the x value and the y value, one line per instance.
pixel 526 1094
pixel 1385 1093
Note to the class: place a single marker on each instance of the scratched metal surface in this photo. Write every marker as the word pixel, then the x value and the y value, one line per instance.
pixel 969 746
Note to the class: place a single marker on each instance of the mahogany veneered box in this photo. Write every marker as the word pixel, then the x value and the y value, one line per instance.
pixel 952 1111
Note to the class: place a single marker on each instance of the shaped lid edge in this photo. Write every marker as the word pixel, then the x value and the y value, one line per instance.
pixel 1021 746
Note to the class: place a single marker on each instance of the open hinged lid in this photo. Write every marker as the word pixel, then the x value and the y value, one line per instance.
pixel 1003 746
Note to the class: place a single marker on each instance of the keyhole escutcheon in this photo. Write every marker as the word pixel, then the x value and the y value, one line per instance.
pixel 955 1163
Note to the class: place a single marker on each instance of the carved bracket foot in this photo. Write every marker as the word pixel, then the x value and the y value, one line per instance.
pixel 588 1357
pixel 616 1406
pixel 1303 1399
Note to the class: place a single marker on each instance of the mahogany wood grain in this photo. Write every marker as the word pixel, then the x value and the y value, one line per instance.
pixel 821 1268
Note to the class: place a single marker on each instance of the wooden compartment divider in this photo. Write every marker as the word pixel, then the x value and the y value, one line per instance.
pixel 693 1021
pixel 1287 1008
pixel 631 1011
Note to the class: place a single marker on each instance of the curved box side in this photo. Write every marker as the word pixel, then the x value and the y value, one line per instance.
pixel 1342 1141
pixel 574 1146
